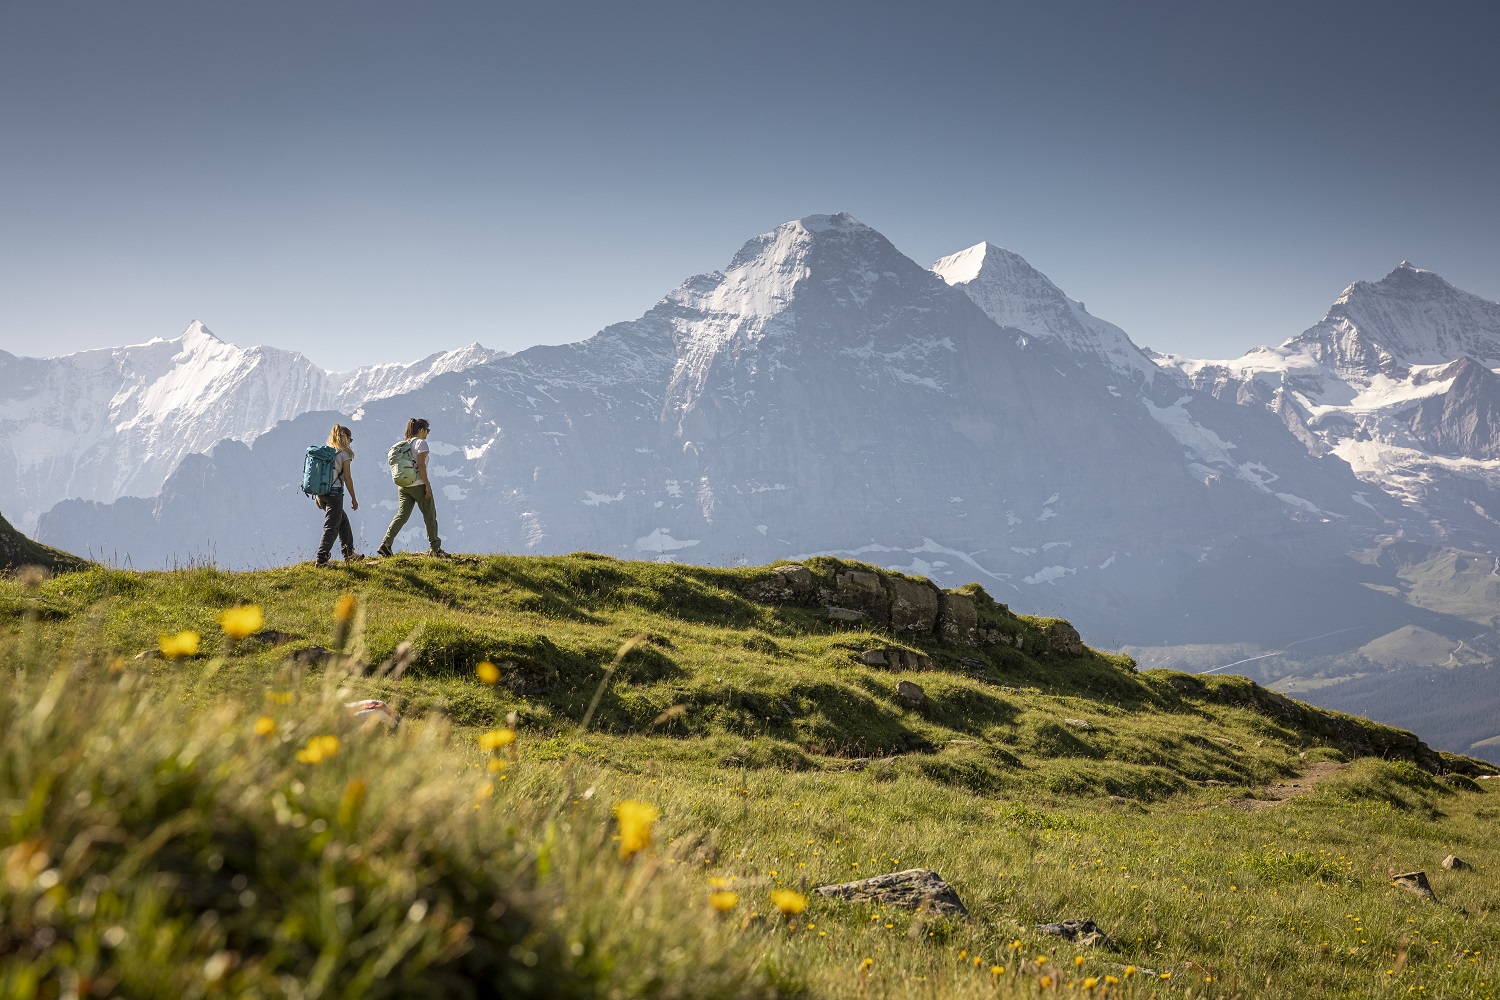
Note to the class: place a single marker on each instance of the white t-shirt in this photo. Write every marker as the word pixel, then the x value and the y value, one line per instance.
pixel 418 448
pixel 341 458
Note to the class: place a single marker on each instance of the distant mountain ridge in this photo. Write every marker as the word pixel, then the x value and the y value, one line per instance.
pixel 116 422
pixel 824 393
pixel 1397 380
pixel 1314 511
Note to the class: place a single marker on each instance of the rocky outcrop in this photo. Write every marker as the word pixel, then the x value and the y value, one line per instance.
pixel 1063 638
pixel 861 592
pixel 791 584
pixel 958 619
pixel 914 605
pixel 910 607
pixel 915 889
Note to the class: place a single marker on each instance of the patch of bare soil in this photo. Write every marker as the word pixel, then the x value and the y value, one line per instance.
pixel 1284 791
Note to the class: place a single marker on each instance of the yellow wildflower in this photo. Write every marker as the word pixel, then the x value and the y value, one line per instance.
pixel 997 970
pixel 318 749
pixel 718 883
pixel 724 900
pixel 1044 982
pixel 184 643
pixel 344 609
pixel 788 901
pixel 488 673
pixel 496 739
pixel 265 726
pixel 244 620
pixel 1111 980
pixel 1077 961
pixel 635 819
pixel 1091 982
pixel 1129 971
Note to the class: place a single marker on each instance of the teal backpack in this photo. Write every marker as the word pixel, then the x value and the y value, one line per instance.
pixel 403 464
pixel 318 479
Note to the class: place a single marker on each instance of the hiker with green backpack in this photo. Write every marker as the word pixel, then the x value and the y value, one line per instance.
pixel 408 461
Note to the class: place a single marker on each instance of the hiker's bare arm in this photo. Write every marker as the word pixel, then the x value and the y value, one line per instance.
pixel 422 471
pixel 349 482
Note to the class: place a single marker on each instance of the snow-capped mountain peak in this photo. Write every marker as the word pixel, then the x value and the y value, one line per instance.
pixel 1014 294
pixel 1409 317
pixel 115 422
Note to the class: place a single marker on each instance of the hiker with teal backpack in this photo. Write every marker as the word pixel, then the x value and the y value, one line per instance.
pixel 408 460
pixel 325 475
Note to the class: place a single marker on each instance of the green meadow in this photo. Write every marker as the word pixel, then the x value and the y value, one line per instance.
pixel 218 823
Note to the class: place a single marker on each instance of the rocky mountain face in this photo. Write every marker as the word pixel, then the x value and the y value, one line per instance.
pixel 103 424
pixel 823 393
pixel 1396 381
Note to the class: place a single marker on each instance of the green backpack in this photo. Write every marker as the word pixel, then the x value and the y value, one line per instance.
pixel 403 464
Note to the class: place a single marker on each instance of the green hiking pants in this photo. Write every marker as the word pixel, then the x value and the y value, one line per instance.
pixel 414 496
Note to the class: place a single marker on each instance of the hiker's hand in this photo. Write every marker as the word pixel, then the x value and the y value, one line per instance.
pixel 429 491
pixel 353 504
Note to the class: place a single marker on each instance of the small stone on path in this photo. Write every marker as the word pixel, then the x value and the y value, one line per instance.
pixel 1453 863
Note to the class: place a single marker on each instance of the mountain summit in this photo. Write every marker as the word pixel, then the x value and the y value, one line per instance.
pixel 1409 317
pixel 1016 295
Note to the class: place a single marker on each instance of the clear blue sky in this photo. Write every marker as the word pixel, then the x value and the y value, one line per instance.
pixel 373 180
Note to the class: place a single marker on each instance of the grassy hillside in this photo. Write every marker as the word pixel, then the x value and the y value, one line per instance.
pixel 184 826
pixel 16 551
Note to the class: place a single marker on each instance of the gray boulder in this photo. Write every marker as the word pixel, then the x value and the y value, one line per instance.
pixel 911 695
pixel 958 619
pixel 914 605
pixel 1415 883
pixel 784 585
pixel 1084 933
pixel 862 591
pixel 915 889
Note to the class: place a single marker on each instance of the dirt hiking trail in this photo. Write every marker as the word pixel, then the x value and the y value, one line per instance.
pixel 1285 791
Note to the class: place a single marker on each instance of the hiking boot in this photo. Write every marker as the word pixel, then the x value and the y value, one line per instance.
pixel 440 554
pixel 323 561
pixel 353 557
pixel 384 552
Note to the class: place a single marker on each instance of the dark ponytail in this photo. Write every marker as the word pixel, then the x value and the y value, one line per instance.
pixel 415 426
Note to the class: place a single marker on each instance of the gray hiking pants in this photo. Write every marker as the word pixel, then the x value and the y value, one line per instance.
pixel 335 525
pixel 414 496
